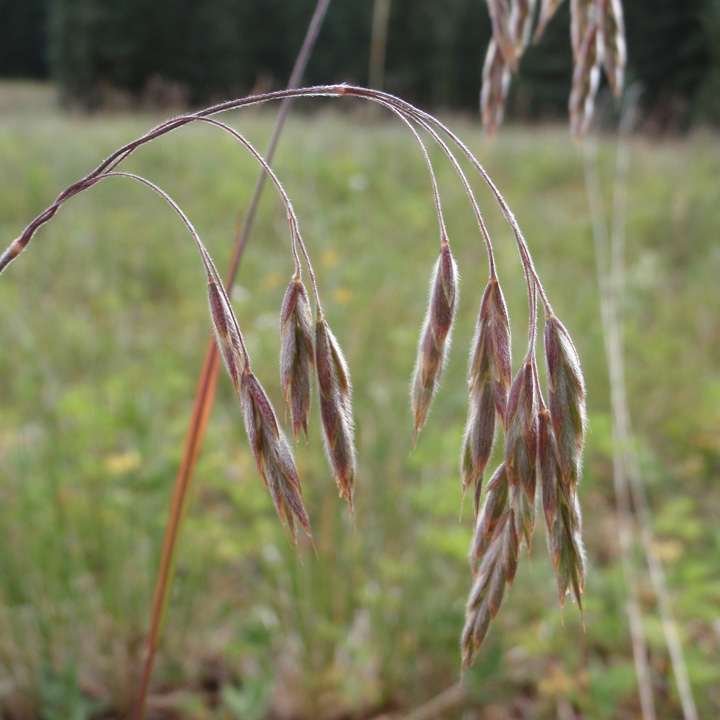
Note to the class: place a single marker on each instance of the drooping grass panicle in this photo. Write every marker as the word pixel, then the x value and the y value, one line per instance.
pixel 296 354
pixel 489 380
pixel 435 335
pixel 335 408
pixel 272 454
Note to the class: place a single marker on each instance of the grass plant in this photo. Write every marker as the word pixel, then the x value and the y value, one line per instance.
pixel 352 608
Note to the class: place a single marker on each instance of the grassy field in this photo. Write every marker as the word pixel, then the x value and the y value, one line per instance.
pixel 103 325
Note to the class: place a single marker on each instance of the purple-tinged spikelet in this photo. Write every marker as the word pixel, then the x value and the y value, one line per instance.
pixel 272 454
pixel 296 354
pixel 567 398
pixel 489 380
pixel 494 559
pixel 522 424
pixel 434 336
pixel 560 447
pixel 335 408
pixel 225 332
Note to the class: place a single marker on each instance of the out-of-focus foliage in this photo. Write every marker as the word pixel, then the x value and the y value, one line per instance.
pixel 103 323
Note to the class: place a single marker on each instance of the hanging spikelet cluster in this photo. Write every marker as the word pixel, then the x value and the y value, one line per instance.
pixel 542 441
pixel 597 35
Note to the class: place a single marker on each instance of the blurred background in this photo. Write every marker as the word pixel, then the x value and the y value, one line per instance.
pixel 103 327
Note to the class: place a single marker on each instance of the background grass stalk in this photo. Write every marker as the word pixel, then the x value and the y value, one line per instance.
pixel 207 383
pixel 609 258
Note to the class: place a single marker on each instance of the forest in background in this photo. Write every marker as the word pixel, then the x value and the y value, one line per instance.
pixel 155 52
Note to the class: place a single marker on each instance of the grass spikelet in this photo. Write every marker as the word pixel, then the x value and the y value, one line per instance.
pixel 494 558
pixel 335 408
pixel 225 332
pixel 489 379
pixel 296 354
pixel 521 438
pixel 435 336
pixel 567 398
pixel 566 549
pixel 272 454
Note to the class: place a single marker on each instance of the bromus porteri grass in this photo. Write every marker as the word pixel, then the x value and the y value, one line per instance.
pixel 543 438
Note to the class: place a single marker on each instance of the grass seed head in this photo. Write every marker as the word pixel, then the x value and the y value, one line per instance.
pixel 434 336
pixel 296 354
pixel 336 408
pixel 272 454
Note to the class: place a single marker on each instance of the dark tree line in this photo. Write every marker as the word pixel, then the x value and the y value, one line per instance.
pixel 219 48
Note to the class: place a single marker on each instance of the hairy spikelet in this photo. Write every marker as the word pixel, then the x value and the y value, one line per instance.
pixel 335 408
pixel 495 84
pixel 562 515
pixel 521 438
pixel 434 336
pixel 586 78
pixel 560 445
pixel 566 548
pixel 296 354
pixel 225 332
pixel 489 379
pixel 494 559
pixel 567 398
pixel 612 37
pixel 272 454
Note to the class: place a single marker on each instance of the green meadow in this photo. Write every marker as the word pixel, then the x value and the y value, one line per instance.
pixel 103 328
